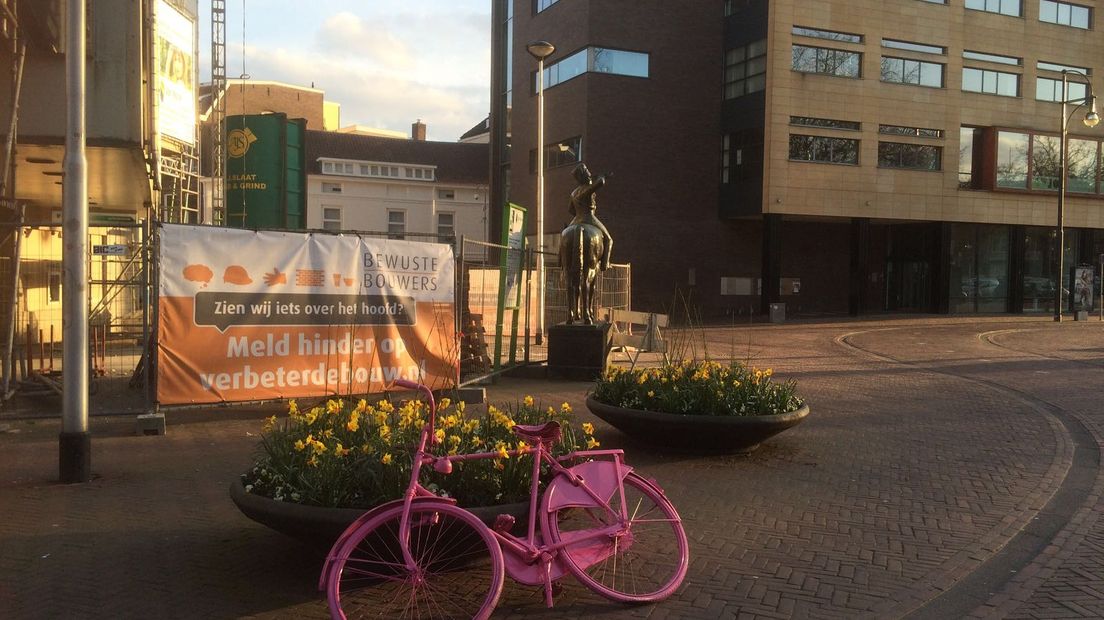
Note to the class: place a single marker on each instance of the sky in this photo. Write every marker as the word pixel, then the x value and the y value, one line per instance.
pixel 387 62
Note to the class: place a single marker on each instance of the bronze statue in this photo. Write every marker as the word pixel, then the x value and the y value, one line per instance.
pixel 585 247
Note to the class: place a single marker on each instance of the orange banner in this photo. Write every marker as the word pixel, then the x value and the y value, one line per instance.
pixel 354 315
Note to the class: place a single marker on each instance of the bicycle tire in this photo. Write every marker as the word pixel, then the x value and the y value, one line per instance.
pixel 649 569
pixel 459 561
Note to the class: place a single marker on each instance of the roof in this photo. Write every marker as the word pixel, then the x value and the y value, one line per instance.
pixel 455 162
pixel 483 127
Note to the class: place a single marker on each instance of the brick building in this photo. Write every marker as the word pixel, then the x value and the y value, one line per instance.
pixel 854 156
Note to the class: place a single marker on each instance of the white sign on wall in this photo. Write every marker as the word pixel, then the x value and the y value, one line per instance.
pixel 174 62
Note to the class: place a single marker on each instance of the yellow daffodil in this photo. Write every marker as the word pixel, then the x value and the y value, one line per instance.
pixel 385 432
pixel 522 446
pixel 313 461
pixel 588 428
pixel 339 450
pixel 528 401
pixel 293 408
pixel 651 393
pixel 502 452
pixel 354 422
pixel 300 445
pixel 386 460
pixel 361 407
pixel 592 443
pixel 565 408
pixel 444 404
pixel 439 435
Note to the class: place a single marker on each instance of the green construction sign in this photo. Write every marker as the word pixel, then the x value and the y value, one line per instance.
pixel 265 172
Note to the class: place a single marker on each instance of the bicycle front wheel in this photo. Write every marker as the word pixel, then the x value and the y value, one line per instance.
pixel 458 570
pixel 642 560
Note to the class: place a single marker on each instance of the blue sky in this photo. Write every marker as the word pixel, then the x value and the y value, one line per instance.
pixel 387 62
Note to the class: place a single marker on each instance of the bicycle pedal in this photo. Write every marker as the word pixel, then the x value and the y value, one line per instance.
pixel 504 523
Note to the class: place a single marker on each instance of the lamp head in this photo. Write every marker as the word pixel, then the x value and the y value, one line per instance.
pixel 1092 118
pixel 540 49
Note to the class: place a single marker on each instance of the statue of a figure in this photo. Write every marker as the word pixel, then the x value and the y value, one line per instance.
pixel 585 247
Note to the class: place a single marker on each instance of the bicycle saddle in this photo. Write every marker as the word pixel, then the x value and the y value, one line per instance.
pixel 548 432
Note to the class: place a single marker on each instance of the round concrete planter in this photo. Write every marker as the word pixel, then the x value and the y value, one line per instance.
pixel 697 433
pixel 319 526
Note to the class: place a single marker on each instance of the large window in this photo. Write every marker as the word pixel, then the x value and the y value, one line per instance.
pixel 910 156
pixel 824 149
pixel 331 218
pixel 990 82
pixel 742 156
pixel 827 61
pixel 396 224
pixel 544 4
pixel 831 123
pixel 595 60
pixel 446 226
pixel 1012 149
pixel 745 69
pixel 969 157
pixel 1048 85
pixel 1065 14
pixel 979 268
pixel 1004 7
pixel 908 71
pixel 562 153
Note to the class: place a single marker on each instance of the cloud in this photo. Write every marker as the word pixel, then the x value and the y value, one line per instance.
pixel 387 62
pixel 347 35
pixel 372 96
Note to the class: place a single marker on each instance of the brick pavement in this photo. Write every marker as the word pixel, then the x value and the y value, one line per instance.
pixel 927 450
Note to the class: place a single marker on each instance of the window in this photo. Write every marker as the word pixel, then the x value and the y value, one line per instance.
pixel 910 156
pixel 827 34
pixel 338 167
pixel 331 218
pixel 824 149
pixel 446 194
pixel 1012 159
pixel 446 227
pixel 915 72
pixel 745 69
pixel 1048 89
pixel 991 82
pixel 808 121
pixel 827 61
pixel 1080 167
pixel 562 153
pixel 969 157
pixel 396 224
pixel 595 60
pixel 1004 7
pixel 914 47
pixel 919 132
pixel 742 156
pixel 1065 14
pixel 331 188
pixel 544 4
pixel 997 58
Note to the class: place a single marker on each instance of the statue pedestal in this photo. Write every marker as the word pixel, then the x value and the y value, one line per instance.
pixel 578 352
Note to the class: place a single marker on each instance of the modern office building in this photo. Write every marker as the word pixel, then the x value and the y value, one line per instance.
pixel 836 155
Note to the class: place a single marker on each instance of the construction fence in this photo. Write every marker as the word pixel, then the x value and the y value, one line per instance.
pixel 122 282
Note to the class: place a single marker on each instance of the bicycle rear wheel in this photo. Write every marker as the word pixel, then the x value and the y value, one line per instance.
pixel 458 574
pixel 643 562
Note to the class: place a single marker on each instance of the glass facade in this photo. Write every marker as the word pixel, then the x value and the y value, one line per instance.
pixel 597 60
pixel 979 268
pixel 1012 159
pixel 1040 264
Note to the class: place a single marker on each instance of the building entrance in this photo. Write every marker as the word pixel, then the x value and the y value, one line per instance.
pixel 908 285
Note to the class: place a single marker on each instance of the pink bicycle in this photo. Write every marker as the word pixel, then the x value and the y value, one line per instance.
pixel 424 557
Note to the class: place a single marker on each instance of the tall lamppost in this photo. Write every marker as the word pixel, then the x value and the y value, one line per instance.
pixel 540 50
pixel 1090 120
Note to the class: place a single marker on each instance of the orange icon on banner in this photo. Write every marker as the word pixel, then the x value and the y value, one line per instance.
pixel 310 277
pixel 236 274
pixel 276 277
pixel 198 273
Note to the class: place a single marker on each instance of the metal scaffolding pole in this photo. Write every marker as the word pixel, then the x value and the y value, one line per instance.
pixel 75 442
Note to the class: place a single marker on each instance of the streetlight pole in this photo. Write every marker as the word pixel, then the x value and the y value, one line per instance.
pixel 540 50
pixel 1090 120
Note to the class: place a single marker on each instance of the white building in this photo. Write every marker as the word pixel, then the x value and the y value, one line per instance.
pixel 402 187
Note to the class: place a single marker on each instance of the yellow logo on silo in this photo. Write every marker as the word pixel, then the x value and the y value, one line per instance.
pixel 239 141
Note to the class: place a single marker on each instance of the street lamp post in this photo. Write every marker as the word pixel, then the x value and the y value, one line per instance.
pixel 1090 120
pixel 540 50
